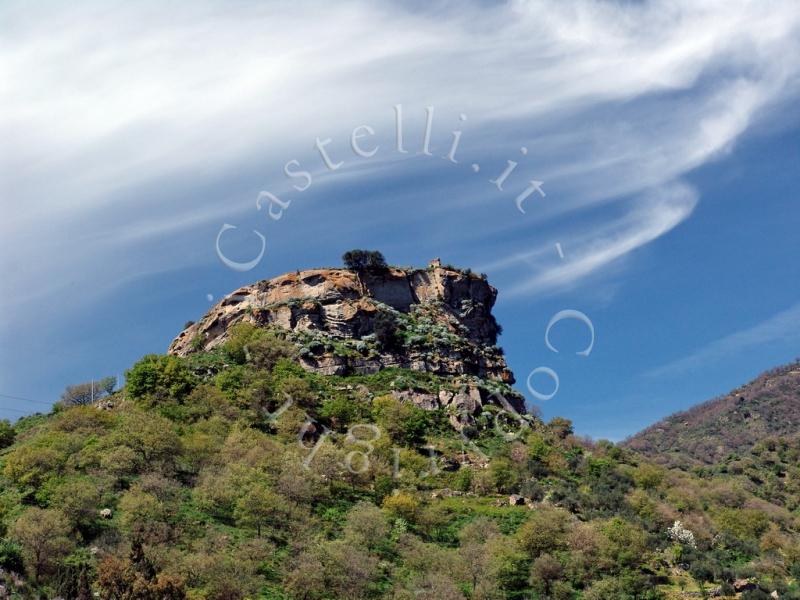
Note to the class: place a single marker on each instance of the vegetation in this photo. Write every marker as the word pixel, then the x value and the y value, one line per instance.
pixel 235 474
pixel 717 430
pixel 361 260
pixel 88 392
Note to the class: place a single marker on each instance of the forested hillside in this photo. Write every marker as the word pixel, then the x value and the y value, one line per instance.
pixel 235 473
pixel 721 429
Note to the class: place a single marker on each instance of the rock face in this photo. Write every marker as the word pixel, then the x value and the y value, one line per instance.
pixel 436 320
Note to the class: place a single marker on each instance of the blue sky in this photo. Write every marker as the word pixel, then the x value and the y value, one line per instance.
pixel 666 136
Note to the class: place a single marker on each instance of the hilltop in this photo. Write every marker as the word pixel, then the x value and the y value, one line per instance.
pixel 767 407
pixel 360 321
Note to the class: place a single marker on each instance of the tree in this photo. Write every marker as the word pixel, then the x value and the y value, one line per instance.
pixel 90 391
pixel 259 508
pixel 473 550
pixel 361 260
pixel 543 532
pixel 349 570
pixel 45 539
pixel 6 434
pixel 366 526
pixel 545 571
pixel 124 579
pixel 306 581
pixel 144 517
pixel 79 500
pixel 79 394
pixel 107 384
pixel 152 439
pixel 159 376
pixel 405 423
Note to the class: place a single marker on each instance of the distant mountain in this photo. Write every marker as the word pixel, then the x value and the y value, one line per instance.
pixel 768 406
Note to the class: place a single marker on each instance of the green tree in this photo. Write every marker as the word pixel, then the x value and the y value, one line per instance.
pixel 160 376
pixel 79 500
pixel 360 260
pixel 151 437
pixel 404 422
pixel 260 507
pixel 144 517
pixel 544 531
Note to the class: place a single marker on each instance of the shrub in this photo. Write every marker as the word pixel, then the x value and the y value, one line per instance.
pixel 10 556
pixel 403 506
pixel 258 346
pixel 6 434
pixel 404 422
pixel 387 331
pixel 341 410
pixel 159 376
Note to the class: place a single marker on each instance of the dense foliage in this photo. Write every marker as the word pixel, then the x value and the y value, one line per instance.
pixel 236 474
pixel 360 260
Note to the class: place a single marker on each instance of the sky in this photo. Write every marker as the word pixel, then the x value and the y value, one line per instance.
pixel 637 162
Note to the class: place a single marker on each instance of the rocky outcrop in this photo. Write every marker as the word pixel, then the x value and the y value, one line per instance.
pixel 441 320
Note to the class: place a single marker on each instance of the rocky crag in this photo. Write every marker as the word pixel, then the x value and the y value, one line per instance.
pixel 435 320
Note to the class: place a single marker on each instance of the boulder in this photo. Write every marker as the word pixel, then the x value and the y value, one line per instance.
pixel 744 585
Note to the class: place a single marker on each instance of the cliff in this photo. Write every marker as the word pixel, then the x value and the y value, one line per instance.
pixel 436 320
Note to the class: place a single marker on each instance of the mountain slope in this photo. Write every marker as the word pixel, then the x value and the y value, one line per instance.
pixel 239 469
pixel 768 406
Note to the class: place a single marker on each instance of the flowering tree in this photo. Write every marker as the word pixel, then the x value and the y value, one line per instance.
pixel 678 533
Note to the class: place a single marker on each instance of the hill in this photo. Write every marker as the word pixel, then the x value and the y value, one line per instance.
pixel 240 466
pixel 767 407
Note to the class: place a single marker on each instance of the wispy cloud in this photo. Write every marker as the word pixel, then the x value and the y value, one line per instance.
pixel 131 117
pixel 784 326
pixel 592 249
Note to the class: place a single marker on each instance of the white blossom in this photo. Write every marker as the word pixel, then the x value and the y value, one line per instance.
pixel 678 533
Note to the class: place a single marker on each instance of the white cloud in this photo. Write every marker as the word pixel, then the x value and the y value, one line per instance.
pixel 594 248
pixel 106 102
pixel 784 326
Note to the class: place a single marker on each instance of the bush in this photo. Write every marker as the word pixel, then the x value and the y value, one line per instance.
pixel 404 422
pixel 386 331
pixel 258 346
pixel 159 376
pixel 341 411
pixel 10 556
pixel 402 506
pixel 6 434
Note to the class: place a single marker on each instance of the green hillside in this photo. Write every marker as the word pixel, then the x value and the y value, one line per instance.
pixel 235 474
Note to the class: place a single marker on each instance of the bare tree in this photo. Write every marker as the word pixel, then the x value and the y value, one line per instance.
pixel 90 391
